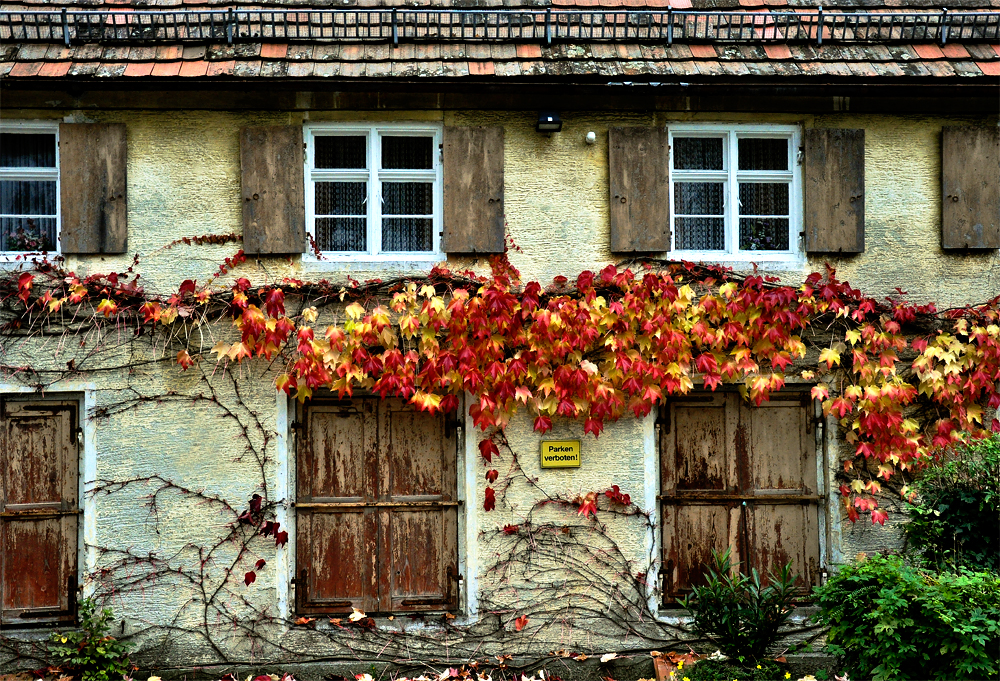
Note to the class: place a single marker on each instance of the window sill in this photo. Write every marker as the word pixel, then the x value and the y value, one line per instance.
pixel 312 265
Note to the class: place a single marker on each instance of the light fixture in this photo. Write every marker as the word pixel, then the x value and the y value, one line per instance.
pixel 548 121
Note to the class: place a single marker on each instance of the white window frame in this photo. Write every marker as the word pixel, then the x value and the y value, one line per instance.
pixel 374 176
pixel 34 174
pixel 731 176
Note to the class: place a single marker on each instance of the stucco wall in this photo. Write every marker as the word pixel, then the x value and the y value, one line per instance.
pixel 157 424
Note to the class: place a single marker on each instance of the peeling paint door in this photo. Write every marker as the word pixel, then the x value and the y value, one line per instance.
pixel 377 521
pixel 737 476
pixel 39 511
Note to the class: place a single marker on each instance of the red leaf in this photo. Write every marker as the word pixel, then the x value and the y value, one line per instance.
pixel 492 475
pixel 24 286
pixel 487 448
pixel 520 623
pixel 260 564
pixel 511 529
pixel 489 500
pixel 250 577
pixel 281 538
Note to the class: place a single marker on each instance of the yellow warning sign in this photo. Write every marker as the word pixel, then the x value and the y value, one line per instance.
pixel 560 453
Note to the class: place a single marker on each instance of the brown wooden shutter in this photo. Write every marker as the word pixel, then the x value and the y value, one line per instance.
pixel 39 512
pixel 419 525
pixel 377 521
pixel 834 180
pixel 271 165
pixel 473 190
pixel 970 187
pixel 335 527
pixel 737 476
pixel 93 188
pixel 639 177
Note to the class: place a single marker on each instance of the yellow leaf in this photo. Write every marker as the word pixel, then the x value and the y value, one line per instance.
pixel 830 356
pixel 354 311
pixel 853 336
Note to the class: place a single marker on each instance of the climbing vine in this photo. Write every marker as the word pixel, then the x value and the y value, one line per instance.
pixel 902 379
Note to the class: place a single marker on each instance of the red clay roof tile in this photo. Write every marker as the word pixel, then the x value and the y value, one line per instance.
pixel 273 51
pixel 704 51
pixel 529 51
pixel 926 51
pixel 778 51
pixel 989 68
pixel 481 68
pixel 55 69
pixel 139 69
pixel 166 69
pixel 193 69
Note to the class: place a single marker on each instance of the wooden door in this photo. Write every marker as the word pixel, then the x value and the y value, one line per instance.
pixel 737 476
pixel 39 511
pixel 376 509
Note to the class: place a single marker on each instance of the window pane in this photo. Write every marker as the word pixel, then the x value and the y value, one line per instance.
pixel 19 197
pixel 341 234
pixel 27 151
pixel 407 152
pixel 699 234
pixel 763 198
pixel 407 198
pixel 698 198
pixel 341 198
pixel 763 154
pixel 763 234
pixel 27 234
pixel 698 153
pixel 407 234
pixel 341 151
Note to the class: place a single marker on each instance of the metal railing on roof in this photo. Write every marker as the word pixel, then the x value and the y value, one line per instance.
pixel 545 26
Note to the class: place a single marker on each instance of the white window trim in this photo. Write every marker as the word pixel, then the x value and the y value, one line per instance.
pixel 731 132
pixel 372 176
pixel 34 174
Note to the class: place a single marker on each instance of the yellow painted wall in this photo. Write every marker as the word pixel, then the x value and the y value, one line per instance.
pixel 183 169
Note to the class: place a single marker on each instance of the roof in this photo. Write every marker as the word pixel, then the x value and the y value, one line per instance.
pixel 910 41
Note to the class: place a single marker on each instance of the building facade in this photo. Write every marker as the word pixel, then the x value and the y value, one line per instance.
pixel 346 144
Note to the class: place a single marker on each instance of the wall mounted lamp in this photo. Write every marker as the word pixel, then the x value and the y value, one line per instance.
pixel 548 121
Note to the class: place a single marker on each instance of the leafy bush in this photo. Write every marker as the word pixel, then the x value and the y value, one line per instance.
pixel 891 620
pixel 90 652
pixel 718 670
pixel 957 521
pixel 736 613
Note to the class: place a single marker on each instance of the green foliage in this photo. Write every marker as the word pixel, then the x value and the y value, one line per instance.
pixel 724 670
pixel 737 613
pixel 957 521
pixel 90 652
pixel 891 620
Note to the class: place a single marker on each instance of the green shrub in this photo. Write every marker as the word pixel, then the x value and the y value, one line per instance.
pixel 716 670
pixel 737 613
pixel 89 652
pixel 891 620
pixel 957 520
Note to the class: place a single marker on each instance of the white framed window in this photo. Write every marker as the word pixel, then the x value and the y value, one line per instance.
pixel 374 191
pixel 29 188
pixel 735 192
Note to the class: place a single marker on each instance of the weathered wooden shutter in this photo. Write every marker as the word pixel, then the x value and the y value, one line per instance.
pixel 737 476
pixel 782 512
pixel 39 512
pixel 271 166
pixel 418 522
pixel 700 509
pixel 93 188
pixel 970 187
pixel 834 180
pixel 335 513
pixel 377 522
pixel 639 177
pixel 473 190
